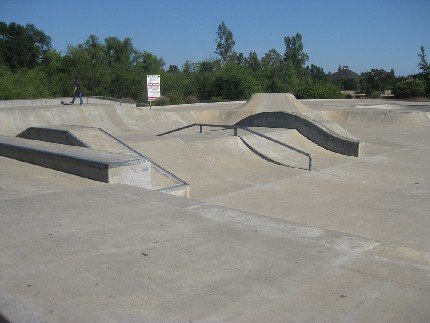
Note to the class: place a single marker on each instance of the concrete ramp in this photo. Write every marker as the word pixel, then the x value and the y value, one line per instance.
pixel 99 140
pixel 283 110
pixel 321 158
pixel 273 102
pixel 14 120
pixel 213 166
pixel 122 120
pixel 398 118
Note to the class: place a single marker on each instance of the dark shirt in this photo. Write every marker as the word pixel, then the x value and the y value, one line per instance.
pixel 78 86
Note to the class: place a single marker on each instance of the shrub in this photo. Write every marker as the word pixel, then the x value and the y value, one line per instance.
pixel 216 99
pixel 306 92
pixel 409 89
pixel 127 100
pixel 162 100
pixel 23 84
pixel 318 90
pixel 175 97
pixel 376 94
pixel 327 90
pixel 191 99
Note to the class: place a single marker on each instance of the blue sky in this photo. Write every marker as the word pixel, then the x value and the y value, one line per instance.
pixel 362 34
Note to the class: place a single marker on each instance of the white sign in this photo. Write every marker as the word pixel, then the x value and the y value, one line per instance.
pixel 153 85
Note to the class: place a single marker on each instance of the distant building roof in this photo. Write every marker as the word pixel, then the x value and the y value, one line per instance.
pixel 342 73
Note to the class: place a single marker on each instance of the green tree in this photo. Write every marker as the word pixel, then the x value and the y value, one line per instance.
pixel 316 72
pixel 208 66
pixel 149 62
pixel 271 70
pixel 23 84
pixel 409 88
pixel 423 65
pixel 115 68
pixel 173 69
pixel 272 59
pixel 234 82
pixel 89 61
pixel 190 67
pixel 22 47
pixel 349 84
pixel 238 58
pixel 253 62
pixel 377 80
pixel 120 52
pixel 224 43
pixel 294 53
pixel 56 74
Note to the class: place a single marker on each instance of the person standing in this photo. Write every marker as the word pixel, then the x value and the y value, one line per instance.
pixel 77 91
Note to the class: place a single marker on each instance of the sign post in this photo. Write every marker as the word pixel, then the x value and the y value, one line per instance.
pixel 153 86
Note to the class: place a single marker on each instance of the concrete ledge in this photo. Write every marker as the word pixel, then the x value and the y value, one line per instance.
pixel 97 165
pixel 311 129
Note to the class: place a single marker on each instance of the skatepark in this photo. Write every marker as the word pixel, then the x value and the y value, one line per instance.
pixel 270 209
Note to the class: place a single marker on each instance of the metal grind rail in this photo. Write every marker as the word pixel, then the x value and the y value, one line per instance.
pixel 201 125
pixel 161 169
pixel 104 98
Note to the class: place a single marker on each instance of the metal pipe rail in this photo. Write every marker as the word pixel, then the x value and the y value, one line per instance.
pixel 162 170
pixel 234 127
pixel 104 98
pixel 281 143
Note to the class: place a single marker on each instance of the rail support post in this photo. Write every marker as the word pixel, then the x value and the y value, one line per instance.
pixel 201 128
pixel 235 131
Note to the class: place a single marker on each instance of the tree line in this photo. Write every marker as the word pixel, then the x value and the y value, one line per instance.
pixel 31 68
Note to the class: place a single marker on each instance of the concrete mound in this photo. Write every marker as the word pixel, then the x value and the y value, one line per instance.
pixel 283 110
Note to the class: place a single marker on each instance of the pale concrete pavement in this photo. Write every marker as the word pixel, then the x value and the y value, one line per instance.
pixel 346 242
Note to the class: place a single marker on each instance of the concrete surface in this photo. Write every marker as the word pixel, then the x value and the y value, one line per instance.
pixel 348 241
